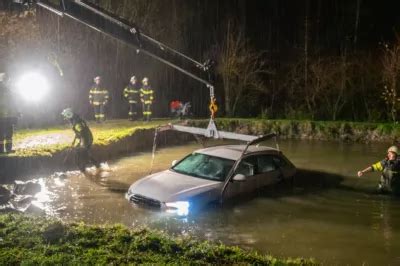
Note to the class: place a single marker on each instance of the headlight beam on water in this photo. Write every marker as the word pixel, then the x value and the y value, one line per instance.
pixel 178 207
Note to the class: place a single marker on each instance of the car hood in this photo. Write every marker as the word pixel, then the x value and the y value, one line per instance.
pixel 169 186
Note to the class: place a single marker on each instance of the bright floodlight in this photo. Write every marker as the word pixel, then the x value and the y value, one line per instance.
pixel 32 86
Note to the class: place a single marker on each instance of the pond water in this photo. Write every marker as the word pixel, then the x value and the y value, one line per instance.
pixel 329 214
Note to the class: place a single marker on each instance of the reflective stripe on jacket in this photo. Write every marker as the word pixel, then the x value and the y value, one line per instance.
pixel 131 93
pixel 98 95
pixel 393 165
pixel 82 132
pixel 146 95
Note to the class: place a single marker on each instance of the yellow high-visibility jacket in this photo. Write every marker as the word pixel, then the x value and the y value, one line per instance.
pixel 132 93
pixel 146 95
pixel 393 165
pixel 98 95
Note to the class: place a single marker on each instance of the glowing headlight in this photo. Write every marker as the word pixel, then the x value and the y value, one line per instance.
pixel 32 86
pixel 179 207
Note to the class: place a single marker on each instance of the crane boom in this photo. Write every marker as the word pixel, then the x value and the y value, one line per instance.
pixel 100 20
pixel 120 29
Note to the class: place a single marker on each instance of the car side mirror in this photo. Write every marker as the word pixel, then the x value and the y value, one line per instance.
pixel 239 178
pixel 174 162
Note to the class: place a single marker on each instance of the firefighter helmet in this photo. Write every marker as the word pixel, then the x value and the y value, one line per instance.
pixel 145 79
pixel 133 79
pixel 394 149
pixel 97 78
pixel 67 113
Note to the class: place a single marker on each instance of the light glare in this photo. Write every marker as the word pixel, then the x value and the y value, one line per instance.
pixel 178 207
pixel 32 86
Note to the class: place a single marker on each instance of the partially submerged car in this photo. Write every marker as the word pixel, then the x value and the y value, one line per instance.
pixel 212 174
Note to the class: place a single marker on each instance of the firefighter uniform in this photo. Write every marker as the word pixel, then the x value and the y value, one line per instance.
pixel 390 178
pixel 98 98
pixel 146 97
pixel 132 95
pixel 84 137
pixel 8 117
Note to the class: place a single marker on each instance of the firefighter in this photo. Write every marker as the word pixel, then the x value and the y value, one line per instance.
pixel 98 98
pixel 131 94
pixel 390 169
pixel 8 116
pixel 146 97
pixel 83 140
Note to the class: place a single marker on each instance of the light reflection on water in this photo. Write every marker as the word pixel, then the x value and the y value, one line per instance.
pixel 333 216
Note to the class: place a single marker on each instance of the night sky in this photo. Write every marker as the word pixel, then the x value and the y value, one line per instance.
pixel 330 22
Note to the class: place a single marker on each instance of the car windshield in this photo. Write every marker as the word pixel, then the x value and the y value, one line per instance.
pixel 204 166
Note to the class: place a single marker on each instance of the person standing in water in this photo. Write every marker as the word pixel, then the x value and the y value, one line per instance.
pixel 390 169
pixel 83 140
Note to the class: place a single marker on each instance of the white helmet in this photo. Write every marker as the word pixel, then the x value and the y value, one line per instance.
pixel 97 78
pixel 133 78
pixel 145 79
pixel 394 149
pixel 67 113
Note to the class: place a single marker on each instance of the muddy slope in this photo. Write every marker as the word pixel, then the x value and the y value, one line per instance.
pixel 14 167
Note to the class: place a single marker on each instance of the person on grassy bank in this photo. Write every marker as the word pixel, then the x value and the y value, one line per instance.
pixel 8 116
pixel 83 140
pixel 98 98
pixel 132 96
pixel 390 168
pixel 146 97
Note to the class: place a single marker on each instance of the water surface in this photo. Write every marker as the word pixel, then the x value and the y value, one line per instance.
pixel 329 214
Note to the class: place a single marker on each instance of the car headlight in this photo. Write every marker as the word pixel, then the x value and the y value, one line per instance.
pixel 178 207
pixel 129 193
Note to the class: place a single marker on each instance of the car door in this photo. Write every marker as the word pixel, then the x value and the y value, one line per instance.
pixel 248 168
pixel 260 170
pixel 286 167
pixel 268 172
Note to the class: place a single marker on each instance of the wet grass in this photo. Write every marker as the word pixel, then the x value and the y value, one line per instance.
pixel 30 240
pixel 116 130
pixel 113 131
pixel 40 142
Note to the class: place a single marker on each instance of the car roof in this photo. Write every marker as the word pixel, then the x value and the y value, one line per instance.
pixel 233 152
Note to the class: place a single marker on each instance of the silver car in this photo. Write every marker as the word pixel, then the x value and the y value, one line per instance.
pixel 211 174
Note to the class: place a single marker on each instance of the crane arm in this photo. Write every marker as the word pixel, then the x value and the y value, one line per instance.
pixel 100 20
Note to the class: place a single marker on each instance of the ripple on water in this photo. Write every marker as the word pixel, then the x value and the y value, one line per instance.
pixel 327 215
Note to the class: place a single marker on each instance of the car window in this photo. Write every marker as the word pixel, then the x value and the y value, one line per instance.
pixel 280 162
pixel 204 166
pixel 247 166
pixel 266 163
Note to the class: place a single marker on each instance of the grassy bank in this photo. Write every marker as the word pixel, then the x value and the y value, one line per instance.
pixel 47 141
pixel 32 241
pixel 317 130
pixel 44 151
